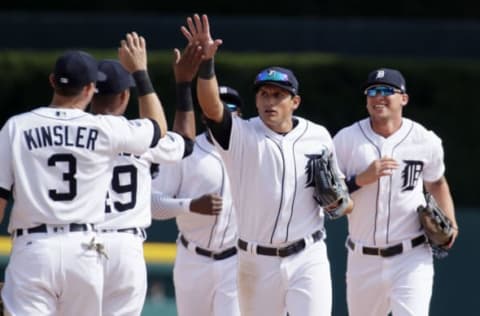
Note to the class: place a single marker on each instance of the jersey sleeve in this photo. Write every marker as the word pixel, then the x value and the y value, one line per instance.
pixel 341 150
pixel 435 168
pixel 170 148
pixel 130 136
pixel 165 189
pixel 6 176
pixel 164 207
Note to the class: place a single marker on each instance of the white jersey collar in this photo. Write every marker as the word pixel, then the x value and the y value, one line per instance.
pixel 293 134
pixel 394 138
pixel 59 113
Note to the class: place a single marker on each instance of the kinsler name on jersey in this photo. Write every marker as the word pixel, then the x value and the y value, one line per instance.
pixel 60 135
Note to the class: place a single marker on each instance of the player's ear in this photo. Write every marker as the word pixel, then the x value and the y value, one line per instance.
pixel 124 96
pixel 404 99
pixel 89 89
pixel 51 79
pixel 296 101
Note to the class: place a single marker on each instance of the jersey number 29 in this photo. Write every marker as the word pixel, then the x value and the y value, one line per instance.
pixel 122 188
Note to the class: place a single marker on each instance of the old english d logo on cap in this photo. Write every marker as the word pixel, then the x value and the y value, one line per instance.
pixel 380 74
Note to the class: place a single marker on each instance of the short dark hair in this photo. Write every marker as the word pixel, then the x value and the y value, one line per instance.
pixel 68 91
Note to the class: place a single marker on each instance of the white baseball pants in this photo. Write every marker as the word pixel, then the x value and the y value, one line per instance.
pixel 203 286
pixel 401 284
pixel 299 284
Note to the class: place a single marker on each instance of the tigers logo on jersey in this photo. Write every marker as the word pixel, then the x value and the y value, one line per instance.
pixel 411 173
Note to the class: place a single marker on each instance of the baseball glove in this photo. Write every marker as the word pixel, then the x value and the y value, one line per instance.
pixel 436 224
pixel 330 190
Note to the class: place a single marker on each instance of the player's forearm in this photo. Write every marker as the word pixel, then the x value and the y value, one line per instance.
pixel 441 192
pixel 164 208
pixel 148 102
pixel 150 107
pixel 207 92
pixel 184 121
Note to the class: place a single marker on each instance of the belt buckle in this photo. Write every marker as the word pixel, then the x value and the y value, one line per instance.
pixel 379 252
pixel 277 252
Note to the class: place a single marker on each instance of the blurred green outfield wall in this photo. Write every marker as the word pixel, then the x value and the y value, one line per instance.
pixel 442 95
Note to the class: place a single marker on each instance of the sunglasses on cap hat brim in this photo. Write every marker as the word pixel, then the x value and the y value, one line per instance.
pixel 381 90
pixel 276 78
pixel 231 107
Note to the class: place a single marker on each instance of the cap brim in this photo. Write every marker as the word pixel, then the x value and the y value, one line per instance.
pixel 378 83
pixel 277 84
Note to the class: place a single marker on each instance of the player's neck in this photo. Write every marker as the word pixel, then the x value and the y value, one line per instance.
pixel 385 128
pixel 69 102
pixel 285 127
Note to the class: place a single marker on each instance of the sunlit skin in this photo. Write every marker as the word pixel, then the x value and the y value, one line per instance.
pixel 275 107
pixel 386 112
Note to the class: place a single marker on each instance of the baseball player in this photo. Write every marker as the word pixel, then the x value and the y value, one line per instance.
pixel 57 166
pixel 283 264
pixel 128 202
pixel 198 195
pixel 388 159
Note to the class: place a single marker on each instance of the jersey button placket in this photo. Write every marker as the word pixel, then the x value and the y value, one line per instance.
pixel 288 189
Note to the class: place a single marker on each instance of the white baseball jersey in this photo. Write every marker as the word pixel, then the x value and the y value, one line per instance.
pixel 271 180
pixel 128 201
pixel 385 211
pixel 56 162
pixel 200 173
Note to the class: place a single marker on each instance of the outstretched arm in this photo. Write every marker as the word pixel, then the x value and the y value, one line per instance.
pixel 185 67
pixel 198 33
pixel 132 53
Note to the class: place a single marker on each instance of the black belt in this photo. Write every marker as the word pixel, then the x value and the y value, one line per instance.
pixel 73 227
pixel 207 253
pixel 131 230
pixel 286 251
pixel 388 251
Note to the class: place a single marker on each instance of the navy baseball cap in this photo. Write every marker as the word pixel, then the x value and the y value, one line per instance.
pixel 118 78
pixel 277 76
pixel 76 69
pixel 387 76
pixel 230 97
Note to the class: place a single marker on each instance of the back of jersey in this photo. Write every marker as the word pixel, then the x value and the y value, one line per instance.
pixel 59 163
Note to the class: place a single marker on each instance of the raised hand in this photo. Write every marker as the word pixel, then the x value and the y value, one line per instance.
pixel 207 204
pixel 132 52
pixel 198 31
pixel 185 66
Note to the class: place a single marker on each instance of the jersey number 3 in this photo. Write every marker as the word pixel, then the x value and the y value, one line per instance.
pixel 68 176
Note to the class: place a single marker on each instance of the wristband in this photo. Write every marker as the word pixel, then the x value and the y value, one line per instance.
pixel 352 184
pixel 206 69
pixel 184 96
pixel 143 83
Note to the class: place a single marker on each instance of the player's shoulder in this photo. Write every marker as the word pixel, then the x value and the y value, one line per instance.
pixel 421 134
pixel 311 126
pixel 352 129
